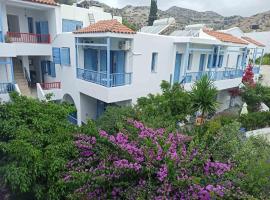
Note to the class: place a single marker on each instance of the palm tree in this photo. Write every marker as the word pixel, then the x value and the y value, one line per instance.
pixel 203 96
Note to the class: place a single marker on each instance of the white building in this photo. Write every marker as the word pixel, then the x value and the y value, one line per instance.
pixel 88 58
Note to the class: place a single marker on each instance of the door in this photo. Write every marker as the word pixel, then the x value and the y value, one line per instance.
pixel 30 25
pixel 42 29
pixel 13 23
pixel 177 68
pixel 1 29
pixel 90 59
pixel 202 62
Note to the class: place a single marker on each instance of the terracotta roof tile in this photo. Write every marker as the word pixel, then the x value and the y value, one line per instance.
pixel 225 37
pixel 48 2
pixel 250 40
pixel 105 26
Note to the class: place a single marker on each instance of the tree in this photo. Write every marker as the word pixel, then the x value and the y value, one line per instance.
pixel 153 13
pixel 130 25
pixel 203 96
pixel 166 109
pixel 36 140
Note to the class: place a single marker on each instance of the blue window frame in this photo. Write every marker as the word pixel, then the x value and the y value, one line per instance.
pixel 71 25
pixel 190 57
pixel 65 56
pixel 154 62
pixel 56 55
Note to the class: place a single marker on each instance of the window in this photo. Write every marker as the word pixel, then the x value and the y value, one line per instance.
pixel 71 25
pixel 190 57
pixel 56 55
pixel 154 62
pixel 30 25
pixel 65 56
pixel 48 67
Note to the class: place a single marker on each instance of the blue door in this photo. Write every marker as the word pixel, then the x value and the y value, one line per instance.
pixel 177 68
pixel 103 61
pixel 90 59
pixel 202 62
pixel 42 28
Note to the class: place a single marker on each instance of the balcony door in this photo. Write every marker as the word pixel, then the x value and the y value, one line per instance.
pixel 177 68
pixel 13 23
pixel 91 59
pixel 42 29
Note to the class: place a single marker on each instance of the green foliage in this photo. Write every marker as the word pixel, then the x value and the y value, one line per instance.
pixel 35 144
pixel 153 12
pixel 130 25
pixel 203 96
pixel 265 60
pixel 255 120
pixel 166 109
pixel 114 118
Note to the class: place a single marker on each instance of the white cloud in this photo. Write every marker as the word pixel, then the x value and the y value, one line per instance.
pixel 223 7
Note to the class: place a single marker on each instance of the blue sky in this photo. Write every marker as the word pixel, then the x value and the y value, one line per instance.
pixel 223 7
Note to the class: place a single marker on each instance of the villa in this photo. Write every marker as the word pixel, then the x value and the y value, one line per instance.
pixel 87 57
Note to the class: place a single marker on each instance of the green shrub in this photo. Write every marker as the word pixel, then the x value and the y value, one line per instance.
pixel 36 141
pixel 256 120
pixel 265 60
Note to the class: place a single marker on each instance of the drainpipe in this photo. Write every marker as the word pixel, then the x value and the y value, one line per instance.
pixel 108 61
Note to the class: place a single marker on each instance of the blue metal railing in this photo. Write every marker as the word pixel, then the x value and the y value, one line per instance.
pixel 100 78
pixel 72 119
pixel 214 75
pixel 6 88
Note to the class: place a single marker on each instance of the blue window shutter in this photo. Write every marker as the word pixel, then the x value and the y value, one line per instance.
pixel 177 68
pixel 103 60
pixel 56 55
pixel 1 29
pixel 48 67
pixel 202 60
pixel 65 56
pixel 52 67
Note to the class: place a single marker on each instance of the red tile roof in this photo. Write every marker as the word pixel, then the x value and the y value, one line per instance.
pixel 225 37
pixel 105 26
pixel 48 2
pixel 250 40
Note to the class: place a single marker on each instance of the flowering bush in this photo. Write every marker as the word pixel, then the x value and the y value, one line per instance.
pixel 248 77
pixel 144 163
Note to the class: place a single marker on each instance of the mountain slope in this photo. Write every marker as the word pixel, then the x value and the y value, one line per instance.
pixel 138 15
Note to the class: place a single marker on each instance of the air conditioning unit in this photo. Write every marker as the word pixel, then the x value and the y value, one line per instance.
pixel 124 45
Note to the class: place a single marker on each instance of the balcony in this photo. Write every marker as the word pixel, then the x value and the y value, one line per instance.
pixel 28 38
pixel 46 89
pixel 6 88
pixel 101 78
pixel 214 75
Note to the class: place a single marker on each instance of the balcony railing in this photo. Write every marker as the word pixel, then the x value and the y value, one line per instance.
pixel 50 86
pixel 100 78
pixel 213 75
pixel 28 38
pixel 6 88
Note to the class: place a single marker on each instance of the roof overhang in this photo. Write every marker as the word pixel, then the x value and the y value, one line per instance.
pixel 29 4
pixel 103 35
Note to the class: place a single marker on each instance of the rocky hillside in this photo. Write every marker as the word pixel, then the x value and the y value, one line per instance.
pixel 138 15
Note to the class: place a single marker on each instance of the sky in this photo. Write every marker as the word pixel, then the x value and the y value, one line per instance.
pixel 224 7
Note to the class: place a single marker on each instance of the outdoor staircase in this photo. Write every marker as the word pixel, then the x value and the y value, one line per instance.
pixel 20 79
